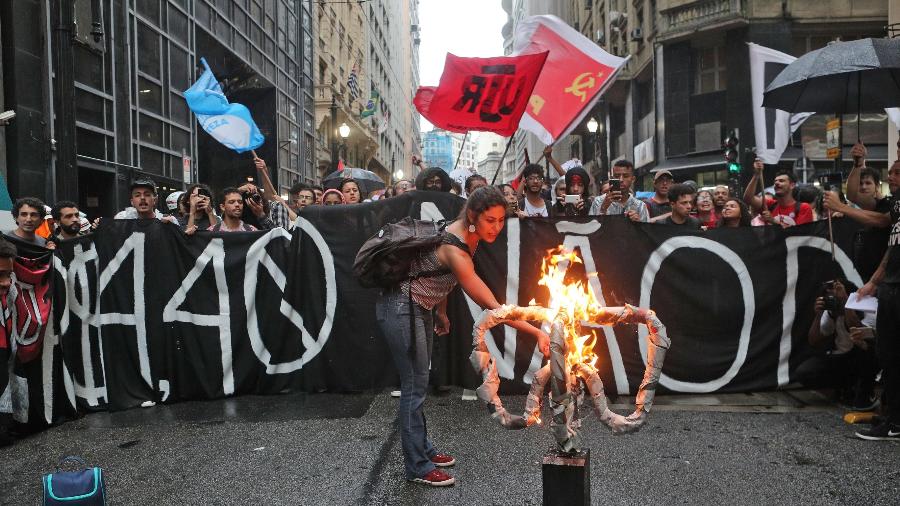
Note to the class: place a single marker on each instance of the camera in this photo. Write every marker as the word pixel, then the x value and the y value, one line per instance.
pixel 255 197
pixel 572 199
pixel 831 303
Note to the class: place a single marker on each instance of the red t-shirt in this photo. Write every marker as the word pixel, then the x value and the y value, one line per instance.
pixel 790 215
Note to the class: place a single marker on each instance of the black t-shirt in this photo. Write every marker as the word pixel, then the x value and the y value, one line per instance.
pixel 689 222
pixel 892 270
pixel 870 243
pixel 655 209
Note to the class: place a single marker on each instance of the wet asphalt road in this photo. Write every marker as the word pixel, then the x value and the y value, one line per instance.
pixel 324 449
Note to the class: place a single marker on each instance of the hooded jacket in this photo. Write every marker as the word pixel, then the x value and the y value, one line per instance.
pixel 427 173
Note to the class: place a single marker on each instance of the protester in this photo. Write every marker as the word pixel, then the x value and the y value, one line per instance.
pixel 232 207
pixel 604 188
pixel 474 182
pixel 455 188
pixel 143 203
pixel 29 215
pixel 512 199
pixel 319 191
pixel 201 212
pixel 720 195
pixel 734 214
pixel 621 200
pixel 576 183
pixel 533 204
pixel 8 255
pixel 304 196
pixel 681 197
pixel 434 179
pixel 401 187
pixel 482 219
pixel 278 209
pixel 783 210
pixel 68 222
pixel 295 203
pixel 173 204
pixel 350 188
pixel 705 211
pixel 886 282
pixel 559 191
pixel 838 361
pixel 332 197
pixel 658 205
pixel 257 210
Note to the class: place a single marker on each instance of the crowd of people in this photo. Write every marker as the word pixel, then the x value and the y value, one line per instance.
pixel 850 347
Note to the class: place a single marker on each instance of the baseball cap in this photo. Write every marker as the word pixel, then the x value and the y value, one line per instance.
pixel 662 173
pixel 142 182
pixel 172 200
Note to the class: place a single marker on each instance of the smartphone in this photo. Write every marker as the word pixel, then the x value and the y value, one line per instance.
pixel 615 185
pixel 572 199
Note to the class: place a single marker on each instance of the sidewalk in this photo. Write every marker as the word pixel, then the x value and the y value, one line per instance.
pixel 771 448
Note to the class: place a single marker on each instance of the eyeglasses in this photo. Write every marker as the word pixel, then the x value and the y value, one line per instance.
pixel 534 177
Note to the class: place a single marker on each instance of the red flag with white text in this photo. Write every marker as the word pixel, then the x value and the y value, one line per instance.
pixel 576 73
pixel 481 94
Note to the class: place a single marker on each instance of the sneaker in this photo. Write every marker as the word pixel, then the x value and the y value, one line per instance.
pixel 443 460
pixel 863 403
pixel 884 432
pixel 436 478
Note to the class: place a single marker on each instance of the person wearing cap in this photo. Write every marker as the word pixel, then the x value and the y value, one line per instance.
pixel 658 205
pixel 29 215
pixel 143 202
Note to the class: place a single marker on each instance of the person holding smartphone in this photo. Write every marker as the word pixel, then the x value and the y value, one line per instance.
pixel 201 214
pixel 620 200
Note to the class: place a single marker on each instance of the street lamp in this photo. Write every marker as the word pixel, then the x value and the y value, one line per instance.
pixel 398 175
pixel 344 132
pixel 592 125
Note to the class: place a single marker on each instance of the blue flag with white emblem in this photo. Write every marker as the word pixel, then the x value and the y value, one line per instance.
pixel 230 124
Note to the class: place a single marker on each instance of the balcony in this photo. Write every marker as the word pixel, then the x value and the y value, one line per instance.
pixel 680 17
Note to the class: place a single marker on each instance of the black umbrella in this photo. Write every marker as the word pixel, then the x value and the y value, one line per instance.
pixel 367 180
pixel 861 75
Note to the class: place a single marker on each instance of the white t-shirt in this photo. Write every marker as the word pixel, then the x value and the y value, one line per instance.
pixel 531 210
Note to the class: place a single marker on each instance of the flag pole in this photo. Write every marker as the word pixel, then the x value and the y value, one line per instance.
pixel 499 165
pixel 466 137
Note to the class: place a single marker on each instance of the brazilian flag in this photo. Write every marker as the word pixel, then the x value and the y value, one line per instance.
pixel 371 105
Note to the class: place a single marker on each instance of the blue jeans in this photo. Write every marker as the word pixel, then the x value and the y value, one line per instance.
pixel 393 314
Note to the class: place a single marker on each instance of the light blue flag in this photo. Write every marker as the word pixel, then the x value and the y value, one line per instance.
pixel 230 124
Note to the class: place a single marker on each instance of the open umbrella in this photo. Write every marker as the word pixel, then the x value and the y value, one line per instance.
pixel 367 180
pixel 842 77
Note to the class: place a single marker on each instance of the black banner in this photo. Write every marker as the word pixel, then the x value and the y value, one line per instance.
pixel 144 313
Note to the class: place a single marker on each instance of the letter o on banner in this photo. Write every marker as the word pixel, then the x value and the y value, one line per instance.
pixel 257 256
pixel 731 258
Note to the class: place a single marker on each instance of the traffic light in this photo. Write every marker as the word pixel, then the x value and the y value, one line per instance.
pixel 732 157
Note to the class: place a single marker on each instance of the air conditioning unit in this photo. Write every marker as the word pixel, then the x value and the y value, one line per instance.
pixel 637 34
pixel 600 37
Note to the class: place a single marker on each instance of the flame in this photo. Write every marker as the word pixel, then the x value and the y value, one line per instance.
pixel 575 299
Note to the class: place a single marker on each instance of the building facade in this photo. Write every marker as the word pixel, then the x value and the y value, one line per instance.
pixel 377 41
pixel 99 94
pixel 437 149
pixel 687 83
pixel 465 147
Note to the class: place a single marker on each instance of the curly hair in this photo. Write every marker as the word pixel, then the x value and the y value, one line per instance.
pixel 481 200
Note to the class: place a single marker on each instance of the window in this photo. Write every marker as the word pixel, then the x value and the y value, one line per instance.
pixel 710 70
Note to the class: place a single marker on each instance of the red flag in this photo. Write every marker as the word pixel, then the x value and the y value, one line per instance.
pixel 576 73
pixel 484 94
pixel 340 167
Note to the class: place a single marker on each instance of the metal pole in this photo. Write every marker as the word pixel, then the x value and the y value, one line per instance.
pixel 334 147
pixel 458 155
pixel 499 165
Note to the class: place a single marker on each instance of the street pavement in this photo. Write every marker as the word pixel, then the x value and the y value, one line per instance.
pixel 323 449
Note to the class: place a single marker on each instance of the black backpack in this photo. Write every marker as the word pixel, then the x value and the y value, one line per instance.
pixel 386 258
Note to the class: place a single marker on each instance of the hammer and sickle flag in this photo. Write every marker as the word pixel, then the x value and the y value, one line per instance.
pixel 576 74
pixel 481 94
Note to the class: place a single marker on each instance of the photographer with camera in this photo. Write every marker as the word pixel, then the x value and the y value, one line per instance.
pixel 844 356
pixel 619 199
pixel 201 214
pixel 577 199
pixel 255 208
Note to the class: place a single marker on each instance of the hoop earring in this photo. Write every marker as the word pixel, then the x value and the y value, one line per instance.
pixel 471 229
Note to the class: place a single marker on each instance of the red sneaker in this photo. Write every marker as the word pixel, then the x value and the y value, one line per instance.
pixel 436 478
pixel 443 460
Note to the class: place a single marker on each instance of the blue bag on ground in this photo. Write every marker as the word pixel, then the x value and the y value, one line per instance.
pixel 75 488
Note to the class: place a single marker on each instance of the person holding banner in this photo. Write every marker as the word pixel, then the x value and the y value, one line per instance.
pixel 482 219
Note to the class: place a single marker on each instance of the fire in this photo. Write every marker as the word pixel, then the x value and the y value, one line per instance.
pixel 573 298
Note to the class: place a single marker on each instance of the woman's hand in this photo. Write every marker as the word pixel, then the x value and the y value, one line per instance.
pixel 441 323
